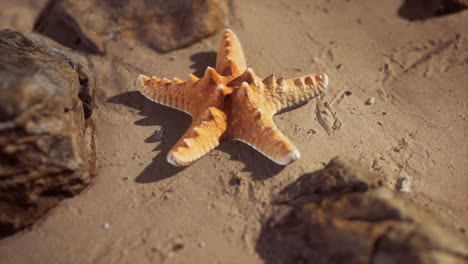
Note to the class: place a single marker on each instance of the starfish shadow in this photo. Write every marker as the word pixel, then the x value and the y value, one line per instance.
pixel 172 121
pixel 201 60
pixel 260 167
pixel 174 124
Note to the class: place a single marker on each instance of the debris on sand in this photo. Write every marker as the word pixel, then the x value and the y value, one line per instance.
pixel 105 225
pixel 403 184
pixel 370 101
pixel 159 134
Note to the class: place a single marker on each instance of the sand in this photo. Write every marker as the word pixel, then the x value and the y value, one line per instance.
pixel 140 209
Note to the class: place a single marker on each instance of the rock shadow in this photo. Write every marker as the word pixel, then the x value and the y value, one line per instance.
pixel 174 124
pixel 426 9
pixel 201 61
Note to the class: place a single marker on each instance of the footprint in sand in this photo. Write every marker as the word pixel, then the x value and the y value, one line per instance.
pixel 326 118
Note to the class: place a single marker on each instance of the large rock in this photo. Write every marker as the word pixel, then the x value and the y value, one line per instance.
pixel 46 144
pixel 343 214
pixel 163 25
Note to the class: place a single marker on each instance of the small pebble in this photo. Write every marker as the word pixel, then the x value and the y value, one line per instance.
pixel 202 244
pixel 403 184
pixel 178 246
pixel 111 36
pixel 159 134
pixel 105 225
pixel 348 93
pixel 371 101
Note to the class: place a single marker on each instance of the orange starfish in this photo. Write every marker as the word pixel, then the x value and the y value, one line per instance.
pixel 231 102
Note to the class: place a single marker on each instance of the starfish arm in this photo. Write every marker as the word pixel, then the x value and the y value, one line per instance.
pixel 230 59
pixel 175 94
pixel 287 93
pixel 203 135
pixel 268 140
pixel 251 122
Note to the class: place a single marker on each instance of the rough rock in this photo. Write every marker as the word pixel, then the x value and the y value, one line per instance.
pixel 162 25
pixel 46 132
pixel 344 214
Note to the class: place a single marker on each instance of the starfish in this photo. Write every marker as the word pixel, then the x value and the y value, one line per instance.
pixel 231 102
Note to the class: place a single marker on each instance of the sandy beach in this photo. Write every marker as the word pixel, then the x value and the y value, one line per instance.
pixel 141 209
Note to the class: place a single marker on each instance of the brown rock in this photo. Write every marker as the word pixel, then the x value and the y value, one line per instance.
pixel 46 146
pixel 342 214
pixel 163 25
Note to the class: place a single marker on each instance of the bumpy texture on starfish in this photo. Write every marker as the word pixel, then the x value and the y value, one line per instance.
pixel 231 102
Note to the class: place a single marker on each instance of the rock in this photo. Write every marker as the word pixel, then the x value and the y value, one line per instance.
pixel 163 25
pixel 344 214
pixel 46 132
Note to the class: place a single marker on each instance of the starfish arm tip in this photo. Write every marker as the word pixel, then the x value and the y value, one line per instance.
pixel 172 159
pixel 295 155
pixel 142 79
pixel 141 84
pixel 292 156
pixel 324 80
